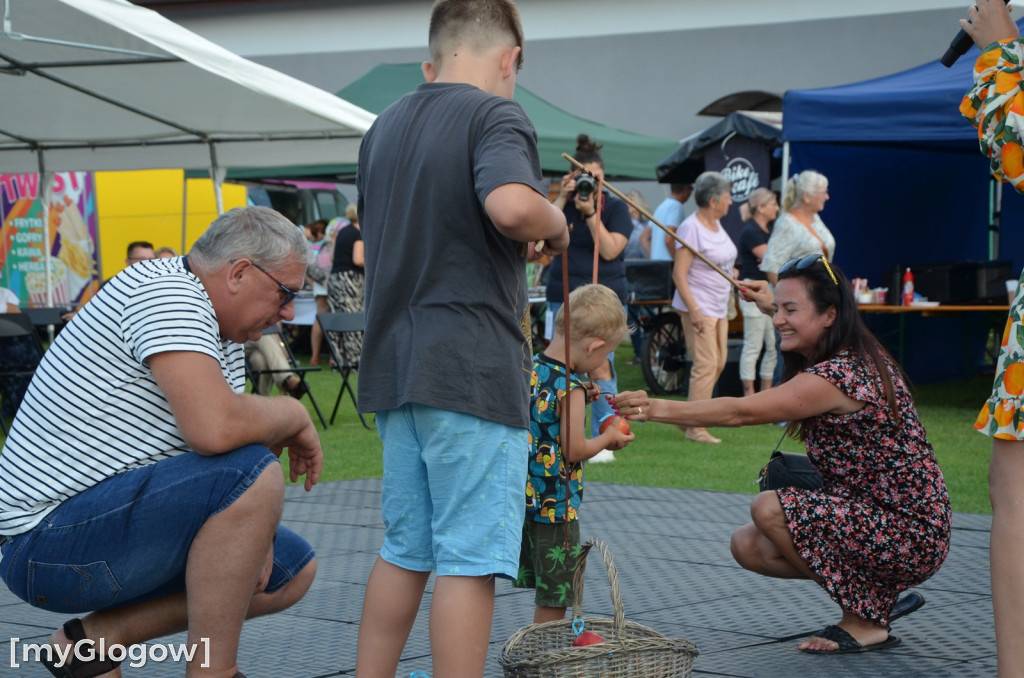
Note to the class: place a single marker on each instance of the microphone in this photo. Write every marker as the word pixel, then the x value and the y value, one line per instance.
pixel 961 43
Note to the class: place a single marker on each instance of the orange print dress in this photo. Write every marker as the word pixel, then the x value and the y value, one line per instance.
pixel 995 105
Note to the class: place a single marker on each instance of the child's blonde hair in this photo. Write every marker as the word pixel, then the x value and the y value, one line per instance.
pixel 595 312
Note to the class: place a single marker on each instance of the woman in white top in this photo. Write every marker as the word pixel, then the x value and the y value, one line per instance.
pixel 8 301
pixel 799 230
pixel 12 350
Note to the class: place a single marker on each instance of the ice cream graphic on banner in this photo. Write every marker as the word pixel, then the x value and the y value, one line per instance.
pixel 68 254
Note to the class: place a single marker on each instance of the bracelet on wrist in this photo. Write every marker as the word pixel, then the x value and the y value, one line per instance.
pixel 587 216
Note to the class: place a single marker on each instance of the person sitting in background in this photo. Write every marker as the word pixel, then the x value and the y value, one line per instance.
pixel 140 250
pixel 799 230
pixel 267 353
pixel 702 295
pixel 669 214
pixel 760 210
pixel 13 351
pixel 136 436
pixel 165 253
pixel 8 301
pixel 880 523
pixel 993 105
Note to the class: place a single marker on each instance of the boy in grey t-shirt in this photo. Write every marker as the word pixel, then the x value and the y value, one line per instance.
pixel 450 196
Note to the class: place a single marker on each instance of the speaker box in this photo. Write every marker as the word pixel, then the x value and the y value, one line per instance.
pixel 649 280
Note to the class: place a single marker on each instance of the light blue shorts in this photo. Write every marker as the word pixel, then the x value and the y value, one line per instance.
pixel 453 492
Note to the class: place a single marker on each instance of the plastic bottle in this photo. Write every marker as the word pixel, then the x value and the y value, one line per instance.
pixel 908 288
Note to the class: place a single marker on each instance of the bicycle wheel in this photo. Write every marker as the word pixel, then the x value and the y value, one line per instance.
pixel 663 356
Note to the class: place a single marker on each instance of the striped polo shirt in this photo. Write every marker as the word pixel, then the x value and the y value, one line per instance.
pixel 93 408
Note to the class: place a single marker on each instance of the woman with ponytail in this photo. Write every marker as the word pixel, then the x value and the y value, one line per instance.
pixel 799 230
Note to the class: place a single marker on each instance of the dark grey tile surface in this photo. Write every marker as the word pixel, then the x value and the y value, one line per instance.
pixel 671 551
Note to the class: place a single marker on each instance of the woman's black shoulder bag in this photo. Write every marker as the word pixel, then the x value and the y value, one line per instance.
pixel 788 469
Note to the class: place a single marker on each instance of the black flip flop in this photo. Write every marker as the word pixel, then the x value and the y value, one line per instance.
pixel 75 667
pixel 905 605
pixel 848 644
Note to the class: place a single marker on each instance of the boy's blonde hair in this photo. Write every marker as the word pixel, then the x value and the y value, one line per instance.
pixel 481 24
pixel 595 313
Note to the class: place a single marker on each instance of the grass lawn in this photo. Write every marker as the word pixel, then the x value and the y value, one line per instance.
pixel 661 457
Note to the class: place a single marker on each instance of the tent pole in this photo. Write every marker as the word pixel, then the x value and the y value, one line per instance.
pixel 215 175
pixel 45 185
pixel 184 212
pixel 995 217
pixel 785 165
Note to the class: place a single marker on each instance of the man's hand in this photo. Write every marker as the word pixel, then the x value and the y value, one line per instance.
pixel 305 457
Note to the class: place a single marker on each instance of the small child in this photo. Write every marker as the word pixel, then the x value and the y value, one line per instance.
pixel 597 325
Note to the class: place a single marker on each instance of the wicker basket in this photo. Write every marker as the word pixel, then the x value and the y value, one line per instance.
pixel 629 651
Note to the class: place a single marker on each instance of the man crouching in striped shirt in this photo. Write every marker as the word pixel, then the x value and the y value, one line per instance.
pixel 139 482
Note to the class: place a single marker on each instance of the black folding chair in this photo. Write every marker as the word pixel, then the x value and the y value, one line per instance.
pixel 293 368
pixel 43 317
pixel 342 323
pixel 20 353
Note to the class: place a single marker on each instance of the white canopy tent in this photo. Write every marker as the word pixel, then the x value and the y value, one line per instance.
pixel 107 85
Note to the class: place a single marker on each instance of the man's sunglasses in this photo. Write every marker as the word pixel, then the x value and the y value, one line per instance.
pixel 287 295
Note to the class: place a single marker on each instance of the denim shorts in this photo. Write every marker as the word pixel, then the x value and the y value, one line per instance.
pixel 126 540
pixel 453 492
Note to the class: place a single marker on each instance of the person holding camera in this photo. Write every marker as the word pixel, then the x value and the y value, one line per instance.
pixel 596 221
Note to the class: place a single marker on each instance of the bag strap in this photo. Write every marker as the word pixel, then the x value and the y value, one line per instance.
pixel 824 249
pixel 779 444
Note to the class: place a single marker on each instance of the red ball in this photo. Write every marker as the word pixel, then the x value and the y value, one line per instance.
pixel 588 638
pixel 610 419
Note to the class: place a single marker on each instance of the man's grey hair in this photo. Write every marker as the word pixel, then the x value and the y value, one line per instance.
pixel 709 185
pixel 257 233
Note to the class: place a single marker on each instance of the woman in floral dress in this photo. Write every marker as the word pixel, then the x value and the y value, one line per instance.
pixel 995 105
pixel 880 523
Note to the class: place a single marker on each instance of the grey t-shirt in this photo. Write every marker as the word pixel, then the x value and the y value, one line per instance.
pixel 447 317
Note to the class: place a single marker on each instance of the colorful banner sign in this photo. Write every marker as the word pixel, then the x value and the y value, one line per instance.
pixel 71 245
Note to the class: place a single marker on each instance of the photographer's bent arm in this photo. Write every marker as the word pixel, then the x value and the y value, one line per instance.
pixel 805 395
pixel 213 419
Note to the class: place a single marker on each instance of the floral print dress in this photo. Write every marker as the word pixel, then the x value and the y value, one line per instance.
pixel 995 105
pixel 880 523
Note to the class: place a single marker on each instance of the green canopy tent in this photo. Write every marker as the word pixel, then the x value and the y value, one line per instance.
pixel 627 155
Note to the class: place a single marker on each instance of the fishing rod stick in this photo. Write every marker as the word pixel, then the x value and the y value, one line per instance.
pixel 650 217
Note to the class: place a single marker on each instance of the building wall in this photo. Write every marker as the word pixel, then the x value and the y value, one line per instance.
pixel 647 65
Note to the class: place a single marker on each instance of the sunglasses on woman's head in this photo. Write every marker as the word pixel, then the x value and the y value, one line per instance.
pixel 806 262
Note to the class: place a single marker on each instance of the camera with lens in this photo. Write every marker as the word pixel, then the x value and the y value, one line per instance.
pixel 585 186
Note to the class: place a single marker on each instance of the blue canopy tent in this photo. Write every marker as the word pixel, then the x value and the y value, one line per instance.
pixel 906 180
pixel 907 185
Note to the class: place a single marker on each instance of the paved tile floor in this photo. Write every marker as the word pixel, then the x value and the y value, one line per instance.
pixel 671 548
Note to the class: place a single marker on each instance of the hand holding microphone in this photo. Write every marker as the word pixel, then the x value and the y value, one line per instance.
pixel 986 22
